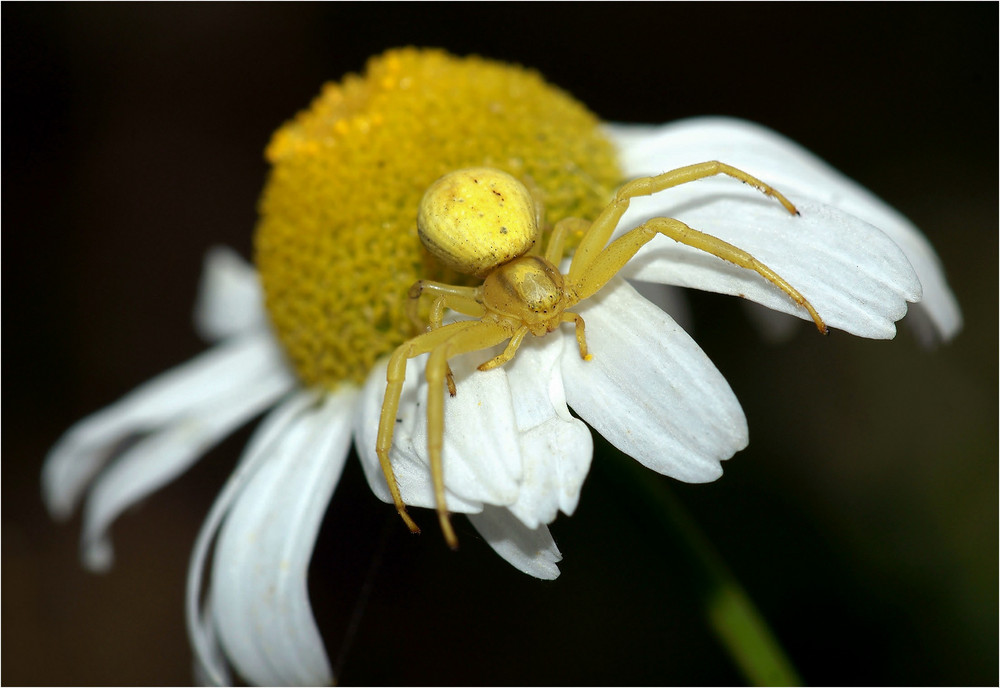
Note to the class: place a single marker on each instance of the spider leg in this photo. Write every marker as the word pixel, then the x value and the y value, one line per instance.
pixel 437 320
pixel 538 203
pixel 476 335
pixel 609 261
pixel 465 300
pixel 595 240
pixel 436 317
pixel 395 375
pixel 557 241
pixel 581 340
pixel 508 352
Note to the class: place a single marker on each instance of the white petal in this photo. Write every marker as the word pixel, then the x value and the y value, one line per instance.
pixel 259 594
pixel 531 551
pixel 230 299
pixel 794 170
pixel 555 447
pixel 481 455
pixel 668 298
pixel 214 670
pixel 166 453
pixel 651 391
pixel 196 384
pixel 853 274
pixel 201 627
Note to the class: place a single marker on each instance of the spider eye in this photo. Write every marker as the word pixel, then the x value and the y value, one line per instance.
pixel 475 219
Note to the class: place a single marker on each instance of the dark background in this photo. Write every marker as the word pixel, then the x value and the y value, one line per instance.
pixel 862 518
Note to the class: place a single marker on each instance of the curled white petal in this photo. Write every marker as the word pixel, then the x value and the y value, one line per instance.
pixel 161 457
pixel 230 298
pixel 166 453
pixel 651 391
pixel 259 595
pixel 209 665
pixel 855 276
pixel 529 550
pixel 793 170
pixel 198 613
pixel 197 384
pixel 481 455
pixel 555 447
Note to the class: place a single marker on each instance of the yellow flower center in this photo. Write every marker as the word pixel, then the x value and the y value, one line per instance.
pixel 337 246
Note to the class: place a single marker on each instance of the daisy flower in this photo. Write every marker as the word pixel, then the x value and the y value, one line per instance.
pixel 304 336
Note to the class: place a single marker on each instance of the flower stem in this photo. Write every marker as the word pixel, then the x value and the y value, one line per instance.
pixel 731 613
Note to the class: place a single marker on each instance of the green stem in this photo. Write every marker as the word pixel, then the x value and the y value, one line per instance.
pixel 737 623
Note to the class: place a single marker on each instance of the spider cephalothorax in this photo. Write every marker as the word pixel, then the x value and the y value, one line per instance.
pixel 485 223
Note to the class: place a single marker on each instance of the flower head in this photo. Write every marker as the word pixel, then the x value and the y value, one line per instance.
pixel 337 245
pixel 336 251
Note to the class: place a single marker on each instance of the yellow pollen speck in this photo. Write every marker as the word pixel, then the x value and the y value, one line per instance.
pixel 337 246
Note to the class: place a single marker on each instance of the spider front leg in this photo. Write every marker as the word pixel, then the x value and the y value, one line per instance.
pixel 596 238
pixel 615 256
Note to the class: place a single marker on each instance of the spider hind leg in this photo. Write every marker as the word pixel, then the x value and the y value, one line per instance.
pixel 442 344
pixel 465 300
pixel 395 376
pixel 474 336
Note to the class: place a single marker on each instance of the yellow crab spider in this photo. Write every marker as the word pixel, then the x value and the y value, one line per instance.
pixel 485 223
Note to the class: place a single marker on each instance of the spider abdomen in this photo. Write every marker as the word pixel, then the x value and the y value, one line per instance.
pixel 475 219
